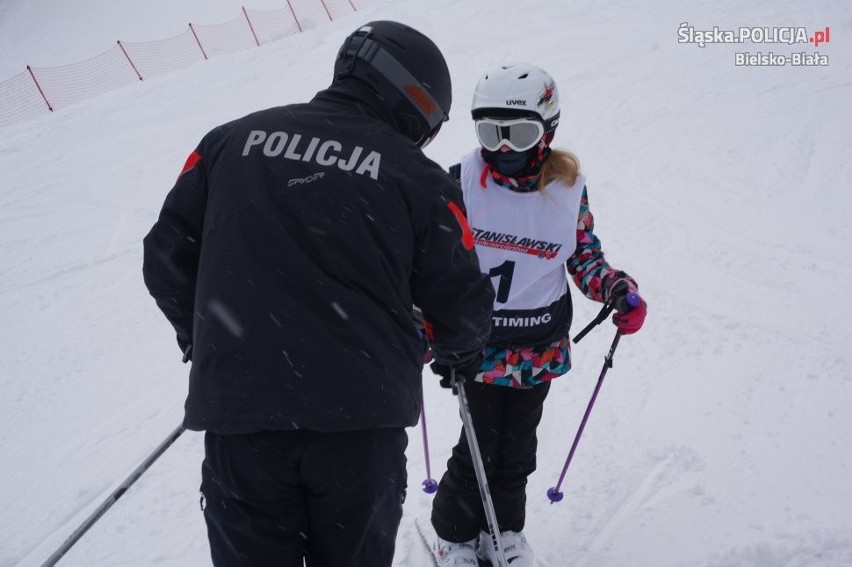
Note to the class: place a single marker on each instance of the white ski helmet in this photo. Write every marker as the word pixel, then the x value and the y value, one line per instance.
pixel 518 90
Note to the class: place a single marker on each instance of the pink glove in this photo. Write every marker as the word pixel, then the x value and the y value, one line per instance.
pixel 630 308
pixel 630 322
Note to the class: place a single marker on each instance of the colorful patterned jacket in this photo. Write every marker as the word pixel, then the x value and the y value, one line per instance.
pixel 521 365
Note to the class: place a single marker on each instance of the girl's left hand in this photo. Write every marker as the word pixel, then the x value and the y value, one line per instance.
pixel 631 321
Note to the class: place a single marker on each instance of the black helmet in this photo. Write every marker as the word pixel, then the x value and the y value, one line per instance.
pixel 407 71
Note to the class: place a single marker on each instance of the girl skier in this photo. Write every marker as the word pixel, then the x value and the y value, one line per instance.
pixel 528 209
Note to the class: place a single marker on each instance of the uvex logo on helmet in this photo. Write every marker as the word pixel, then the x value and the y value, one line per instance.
pixel 516 102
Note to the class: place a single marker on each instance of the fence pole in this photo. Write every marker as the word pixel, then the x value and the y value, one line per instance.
pixel 196 40
pixel 298 25
pixel 129 60
pixel 250 26
pixel 330 19
pixel 38 86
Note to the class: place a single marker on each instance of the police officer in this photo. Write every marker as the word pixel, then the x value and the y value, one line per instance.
pixel 288 257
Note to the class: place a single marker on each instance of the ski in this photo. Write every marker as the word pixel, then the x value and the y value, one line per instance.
pixel 430 539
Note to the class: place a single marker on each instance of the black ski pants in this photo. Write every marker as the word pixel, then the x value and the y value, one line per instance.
pixel 505 421
pixel 294 498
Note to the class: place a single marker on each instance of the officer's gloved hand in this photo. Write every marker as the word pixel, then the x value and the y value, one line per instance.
pixel 423 332
pixel 185 347
pixel 428 356
pixel 464 370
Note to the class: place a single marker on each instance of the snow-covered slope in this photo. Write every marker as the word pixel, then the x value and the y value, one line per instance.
pixel 721 436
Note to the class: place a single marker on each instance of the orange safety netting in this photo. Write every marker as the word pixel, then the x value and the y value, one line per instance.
pixel 309 13
pixel 338 8
pixel 69 84
pixel 230 36
pixel 272 25
pixel 41 90
pixel 20 99
pixel 155 58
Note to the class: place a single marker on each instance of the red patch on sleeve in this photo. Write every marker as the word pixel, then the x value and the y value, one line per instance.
pixel 193 159
pixel 467 234
pixel 428 329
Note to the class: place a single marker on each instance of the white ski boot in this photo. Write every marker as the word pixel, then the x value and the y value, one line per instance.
pixel 518 552
pixel 449 554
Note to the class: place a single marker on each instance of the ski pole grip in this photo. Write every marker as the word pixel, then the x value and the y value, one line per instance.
pixel 628 302
pixel 633 300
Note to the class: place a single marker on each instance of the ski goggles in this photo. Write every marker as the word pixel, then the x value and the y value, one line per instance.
pixel 520 134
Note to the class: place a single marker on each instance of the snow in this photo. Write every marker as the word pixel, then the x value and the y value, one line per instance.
pixel 721 435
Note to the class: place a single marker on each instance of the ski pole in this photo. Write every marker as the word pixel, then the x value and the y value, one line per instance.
pixel 429 485
pixel 112 498
pixel 554 494
pixel 631 300
pixel 603 314
pixel 479 469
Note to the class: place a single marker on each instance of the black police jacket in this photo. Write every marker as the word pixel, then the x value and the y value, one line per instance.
pixel 289 254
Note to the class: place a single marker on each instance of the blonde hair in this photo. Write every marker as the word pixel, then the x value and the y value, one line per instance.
pixel 560 165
